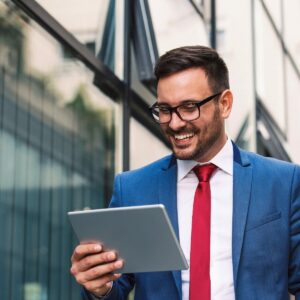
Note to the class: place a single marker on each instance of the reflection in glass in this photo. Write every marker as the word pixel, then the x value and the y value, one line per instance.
pixel 84 19
pixel 56 155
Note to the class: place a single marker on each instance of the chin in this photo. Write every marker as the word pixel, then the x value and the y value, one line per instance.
pixel 183 154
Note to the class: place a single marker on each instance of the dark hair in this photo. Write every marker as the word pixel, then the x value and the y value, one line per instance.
pixel 206 58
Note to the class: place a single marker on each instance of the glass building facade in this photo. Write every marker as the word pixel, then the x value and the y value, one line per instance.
pixel 57 154
pixel 277 73
pixel 259 40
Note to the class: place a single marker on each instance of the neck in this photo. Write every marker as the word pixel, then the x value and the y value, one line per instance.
pixel 214 150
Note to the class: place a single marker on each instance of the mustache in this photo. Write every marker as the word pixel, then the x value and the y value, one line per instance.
pixel 181 131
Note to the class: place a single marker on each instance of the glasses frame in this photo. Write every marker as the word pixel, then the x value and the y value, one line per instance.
pixel 175 109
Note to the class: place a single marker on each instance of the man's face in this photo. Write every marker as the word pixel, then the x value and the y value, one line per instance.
pixel 204 137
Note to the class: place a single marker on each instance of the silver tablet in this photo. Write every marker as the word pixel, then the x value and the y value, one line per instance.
pixel 141 235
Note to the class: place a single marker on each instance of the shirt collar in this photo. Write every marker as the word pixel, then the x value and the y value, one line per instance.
pixel 223 160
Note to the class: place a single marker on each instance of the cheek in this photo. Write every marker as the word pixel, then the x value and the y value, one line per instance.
pixel 204 130
pixel 199 127
pixel 163 128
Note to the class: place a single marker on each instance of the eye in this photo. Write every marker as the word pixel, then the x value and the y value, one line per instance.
pixel 164 109
pixel 188 107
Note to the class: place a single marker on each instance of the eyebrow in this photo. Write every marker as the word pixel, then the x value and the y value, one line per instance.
pixel 182 102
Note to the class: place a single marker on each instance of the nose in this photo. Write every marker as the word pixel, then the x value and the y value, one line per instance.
pixel 176 123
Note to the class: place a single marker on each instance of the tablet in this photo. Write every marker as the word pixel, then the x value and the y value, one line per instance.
pixel 141 235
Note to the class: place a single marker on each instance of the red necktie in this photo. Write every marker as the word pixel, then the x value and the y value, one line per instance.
pixel 200 241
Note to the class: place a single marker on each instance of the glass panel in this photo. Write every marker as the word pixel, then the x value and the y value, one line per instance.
pixel 269 67
pixel 235 46
pixel 293 109
pixel 275 9
pixel 84 19
pixel 144 147
pixel 57 141
pixel 171 19
pixel 291 25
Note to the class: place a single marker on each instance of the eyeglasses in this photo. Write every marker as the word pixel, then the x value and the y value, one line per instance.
pixel 189 111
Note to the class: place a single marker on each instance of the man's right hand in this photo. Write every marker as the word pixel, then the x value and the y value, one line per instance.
pixel 93 268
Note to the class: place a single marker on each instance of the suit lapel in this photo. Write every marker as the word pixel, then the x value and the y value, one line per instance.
pixel 168 197
pixel 242 180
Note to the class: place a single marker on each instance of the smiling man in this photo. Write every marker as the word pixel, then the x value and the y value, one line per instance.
pixel 192 137
pixel 236 214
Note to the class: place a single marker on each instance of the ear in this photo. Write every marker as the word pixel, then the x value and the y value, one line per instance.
pixel 225 103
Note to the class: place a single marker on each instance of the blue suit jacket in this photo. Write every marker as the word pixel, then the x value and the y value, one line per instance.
pixel 266 227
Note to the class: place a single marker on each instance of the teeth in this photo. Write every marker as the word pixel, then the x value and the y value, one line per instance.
pixel 183 136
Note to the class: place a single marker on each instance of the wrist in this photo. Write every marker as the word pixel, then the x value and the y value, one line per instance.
pixel 103 294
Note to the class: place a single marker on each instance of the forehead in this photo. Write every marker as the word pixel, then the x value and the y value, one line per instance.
pixel 188 84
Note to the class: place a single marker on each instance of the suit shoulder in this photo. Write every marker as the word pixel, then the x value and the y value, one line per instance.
pixel 269 162
pixel 151 168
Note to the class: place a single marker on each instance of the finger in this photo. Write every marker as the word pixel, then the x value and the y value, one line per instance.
pixel 103 270
pixel 93 260
pixel 84 249
pixel 99 271
pixel 102 284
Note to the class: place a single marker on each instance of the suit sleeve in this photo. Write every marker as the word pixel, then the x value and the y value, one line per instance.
pixel 117 197
pixel 121 287
pixel 294 261
pixel 119 291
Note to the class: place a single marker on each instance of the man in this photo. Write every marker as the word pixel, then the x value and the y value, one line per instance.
pixel 239 228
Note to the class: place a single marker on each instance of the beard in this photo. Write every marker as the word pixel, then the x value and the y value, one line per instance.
pixel 207 137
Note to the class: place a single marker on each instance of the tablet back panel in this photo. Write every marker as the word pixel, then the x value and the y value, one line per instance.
pixel 141 235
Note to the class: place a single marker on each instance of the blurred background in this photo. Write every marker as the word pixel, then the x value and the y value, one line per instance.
pixel 75 84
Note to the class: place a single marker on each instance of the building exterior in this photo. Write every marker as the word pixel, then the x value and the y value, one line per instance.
pixel 260 42
pixel 68 101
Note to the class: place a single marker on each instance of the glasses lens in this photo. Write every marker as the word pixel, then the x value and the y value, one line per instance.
pixel 155 113
pixel 161 114
pixel 189 111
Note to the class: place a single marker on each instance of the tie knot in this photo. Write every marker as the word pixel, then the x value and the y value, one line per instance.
pixel 204 172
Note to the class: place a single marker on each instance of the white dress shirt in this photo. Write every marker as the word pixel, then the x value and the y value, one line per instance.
pixel 221 185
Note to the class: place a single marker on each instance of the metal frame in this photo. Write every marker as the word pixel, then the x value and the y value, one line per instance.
pixel 253 117
pixel 127 82
pixel 197 9
pixel 274 145
pixel 213 24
